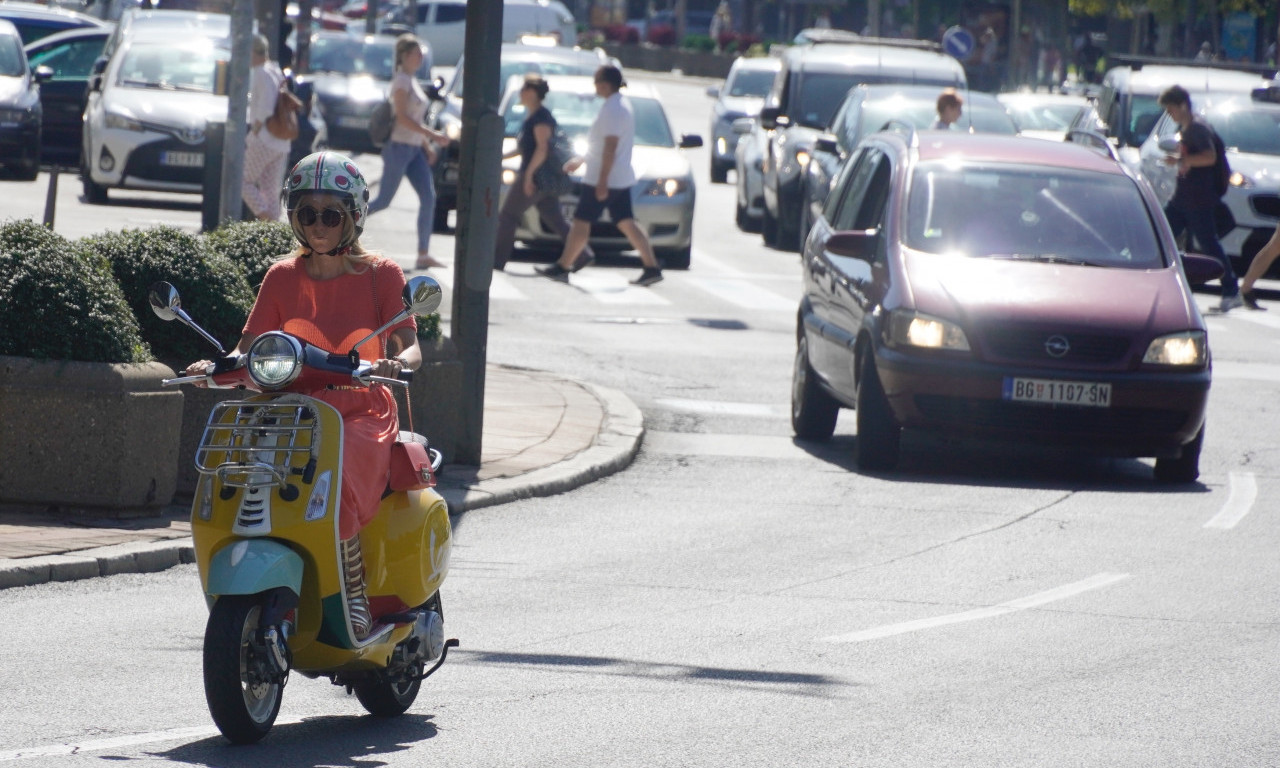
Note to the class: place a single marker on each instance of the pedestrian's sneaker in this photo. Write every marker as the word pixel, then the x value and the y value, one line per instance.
pixel 1229 303
pixel 553 271
pixel 649 276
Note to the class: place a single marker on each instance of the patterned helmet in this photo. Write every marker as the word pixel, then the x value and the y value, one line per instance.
pixel 332 174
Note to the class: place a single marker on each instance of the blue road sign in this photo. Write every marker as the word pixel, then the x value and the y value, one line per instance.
pixel 958 42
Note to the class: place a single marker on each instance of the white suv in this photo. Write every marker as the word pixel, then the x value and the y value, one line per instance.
pixel 442 24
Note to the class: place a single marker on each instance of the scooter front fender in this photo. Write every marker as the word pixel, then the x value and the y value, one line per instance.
pixel 250 566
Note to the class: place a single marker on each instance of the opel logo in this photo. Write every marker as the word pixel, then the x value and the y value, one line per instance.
pixel 1057 346
pixel 191 135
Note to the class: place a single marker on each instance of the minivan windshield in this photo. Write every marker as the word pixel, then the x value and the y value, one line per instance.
pixel 1030 214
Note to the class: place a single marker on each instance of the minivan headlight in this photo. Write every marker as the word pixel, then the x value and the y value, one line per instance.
pixel 275 360
pixel 907 328
pixel 1187 348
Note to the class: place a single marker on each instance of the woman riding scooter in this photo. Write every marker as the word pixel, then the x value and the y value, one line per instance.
pixel 331 292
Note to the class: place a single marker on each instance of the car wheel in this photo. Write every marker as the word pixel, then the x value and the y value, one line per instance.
pixel 813 411
pixel 769 229
pixel 878 434
pixel 29 167
pixel 806 224
pixel 719 173
pixel 788 238
pixel 1185 468
pixel 676 258
pixel 94 193
pixel 745 222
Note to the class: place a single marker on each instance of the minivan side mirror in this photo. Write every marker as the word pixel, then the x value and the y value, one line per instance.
pixel 769 117
pixel 690 141
pixel 826 143
pixel 858 244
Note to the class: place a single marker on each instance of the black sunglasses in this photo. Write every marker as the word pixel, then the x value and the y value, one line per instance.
pixel 330 217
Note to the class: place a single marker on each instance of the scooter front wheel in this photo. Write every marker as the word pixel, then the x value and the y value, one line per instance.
pixel 242 691
pixel 387 695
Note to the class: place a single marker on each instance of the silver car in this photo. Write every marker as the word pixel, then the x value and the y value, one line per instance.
pixel 741 95
pixel 748 162
pixel 1250 129
pixel 664 193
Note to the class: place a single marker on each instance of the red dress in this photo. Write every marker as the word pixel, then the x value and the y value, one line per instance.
pixel 334 314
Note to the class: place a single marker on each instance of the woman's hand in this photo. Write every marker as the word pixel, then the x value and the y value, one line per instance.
pixel 198 368
pixel 389 368
pixel 528 185
pixel 573 164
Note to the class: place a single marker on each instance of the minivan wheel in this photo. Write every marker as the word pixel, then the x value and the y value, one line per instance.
pixel 813 411
pixel 878 434
pixel 1185 468
pixel 769 229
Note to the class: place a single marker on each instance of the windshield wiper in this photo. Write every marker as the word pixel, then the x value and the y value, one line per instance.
pixel 1044 258
pixel 164 86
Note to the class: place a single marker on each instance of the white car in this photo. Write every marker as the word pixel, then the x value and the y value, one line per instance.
pixel 146 117
pixel 741 95
pixel 663 196
pixel 1043 115
pixel 1250 129
pixel 748 162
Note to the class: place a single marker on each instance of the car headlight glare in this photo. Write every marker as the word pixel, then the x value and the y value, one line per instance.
pixel 912 329
pixel 509 176
pixel 666 187
pixel 121 122
pixel 802 158
pixel 1238 179
pixel 453 130
pixel 275 360
pixel 1184 349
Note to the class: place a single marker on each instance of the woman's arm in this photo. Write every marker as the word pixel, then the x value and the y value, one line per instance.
pixel 400 99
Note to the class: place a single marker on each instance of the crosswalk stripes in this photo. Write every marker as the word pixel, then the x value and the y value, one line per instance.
pixel 743 293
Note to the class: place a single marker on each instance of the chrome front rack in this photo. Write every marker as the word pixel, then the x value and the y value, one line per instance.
pixel 254 444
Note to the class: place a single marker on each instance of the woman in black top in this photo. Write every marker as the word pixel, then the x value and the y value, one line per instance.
pixel 533 145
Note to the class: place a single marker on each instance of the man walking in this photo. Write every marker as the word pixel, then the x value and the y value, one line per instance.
pixel 606 184
pixel 1196 194
pixel 265 155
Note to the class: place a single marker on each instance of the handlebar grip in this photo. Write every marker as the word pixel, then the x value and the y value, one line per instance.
pixel 405 376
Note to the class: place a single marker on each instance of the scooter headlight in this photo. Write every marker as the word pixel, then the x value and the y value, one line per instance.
pixel 275 360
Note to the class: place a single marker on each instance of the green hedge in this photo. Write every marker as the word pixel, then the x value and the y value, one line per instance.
pixel 253 245
pixel 213 288
pixel 61 301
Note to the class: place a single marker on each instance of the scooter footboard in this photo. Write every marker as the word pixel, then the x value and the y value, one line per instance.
pixel 250 566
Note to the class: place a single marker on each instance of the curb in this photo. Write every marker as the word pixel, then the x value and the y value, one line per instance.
pixel 613 449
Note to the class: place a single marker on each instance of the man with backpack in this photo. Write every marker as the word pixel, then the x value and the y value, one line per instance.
pixel 1202 172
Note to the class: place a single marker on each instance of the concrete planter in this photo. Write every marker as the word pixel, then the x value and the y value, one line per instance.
pixel 94 437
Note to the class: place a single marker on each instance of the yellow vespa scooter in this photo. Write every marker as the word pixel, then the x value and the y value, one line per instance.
pixel 285 593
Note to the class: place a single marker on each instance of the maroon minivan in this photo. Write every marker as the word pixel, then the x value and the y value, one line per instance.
pixel 1000 287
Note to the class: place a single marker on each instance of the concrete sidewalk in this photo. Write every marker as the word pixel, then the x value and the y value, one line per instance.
pixel 543 434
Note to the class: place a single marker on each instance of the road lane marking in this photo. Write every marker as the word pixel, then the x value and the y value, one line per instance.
pixel 118 742
pixel 763 410
pixel 1265 319
pixel 610 288
pixel 742 293
pixel 1227 369
pixel 1097 581
pixel 502 287
pixel 1244 492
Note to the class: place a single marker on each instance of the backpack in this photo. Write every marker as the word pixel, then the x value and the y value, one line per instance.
pixel 380 122
pixel 283 123
pixel 1221 168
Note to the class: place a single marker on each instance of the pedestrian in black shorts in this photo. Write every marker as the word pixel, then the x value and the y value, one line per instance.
pixel 606 184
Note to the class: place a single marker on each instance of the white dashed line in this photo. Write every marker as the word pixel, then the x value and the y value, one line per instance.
pixel 1244 491
pixel 1021 604
pixel 117 742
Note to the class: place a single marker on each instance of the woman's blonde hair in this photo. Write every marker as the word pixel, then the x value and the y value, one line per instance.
pixel 404 45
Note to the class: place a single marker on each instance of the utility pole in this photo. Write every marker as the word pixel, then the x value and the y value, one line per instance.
pixel 371 17
pixel 478 186
pixel 873 17
pixel 230 203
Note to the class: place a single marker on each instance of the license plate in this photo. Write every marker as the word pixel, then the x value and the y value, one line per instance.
pixel 1086 393
pixel 348 121
pixel 182 159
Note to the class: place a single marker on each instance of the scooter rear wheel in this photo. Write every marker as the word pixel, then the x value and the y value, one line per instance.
pixel 385 696
pixel 244 705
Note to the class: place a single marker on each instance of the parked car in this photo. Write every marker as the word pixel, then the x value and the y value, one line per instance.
pixel 1126 107
pixel 748 162
pixel 995 287
pixel 34 21
pixel 867 109
pixel 1250 129
pixel 144 125
pixel 445 113
pixel 741 95
pixel 70 56
pixel 1043 115
pixel 442 24
pixel 811 84
pixel 351 75
pixel 20 111
pixel 664 193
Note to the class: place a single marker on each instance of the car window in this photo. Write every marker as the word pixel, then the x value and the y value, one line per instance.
pixel 1252 131
pixel 72 60
pixel 13 62
pixel 575 112
pixel 855 192
pixel 1044 117
pixel 984 118
pixel 816 97
pixel 1050 214
pixel 832 203
pixel 1144 111
pixel 750 82
pixel 450 13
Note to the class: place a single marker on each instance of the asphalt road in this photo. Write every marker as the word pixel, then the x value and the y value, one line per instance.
pixel 736 597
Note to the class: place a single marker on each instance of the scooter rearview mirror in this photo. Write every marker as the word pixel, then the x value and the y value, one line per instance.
pixel 422 295
pixel 164 300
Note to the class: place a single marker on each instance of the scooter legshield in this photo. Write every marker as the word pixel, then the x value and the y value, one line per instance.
pixel 250 566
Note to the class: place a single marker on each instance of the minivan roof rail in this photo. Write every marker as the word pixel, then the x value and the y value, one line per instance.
pixel 1137 62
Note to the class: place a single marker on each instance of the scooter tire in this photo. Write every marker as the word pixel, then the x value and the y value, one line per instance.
pixel 244 711
pixel 383 696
